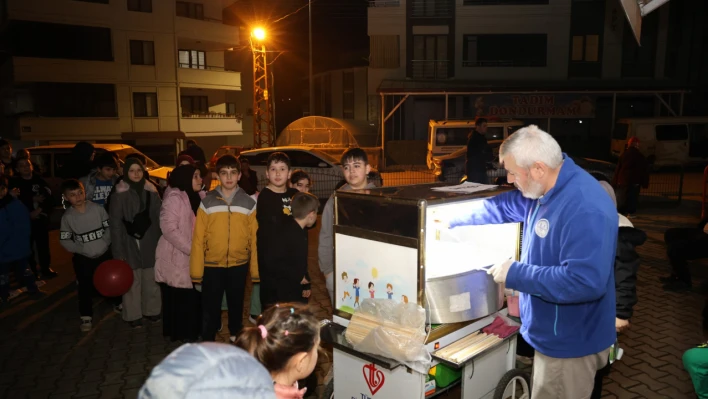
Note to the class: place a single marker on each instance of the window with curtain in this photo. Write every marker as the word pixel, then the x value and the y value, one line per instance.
pixel 194 59
pixel 190 10
pixel 145 104
pixel 140 5
pixel 142 52
pixel 194 104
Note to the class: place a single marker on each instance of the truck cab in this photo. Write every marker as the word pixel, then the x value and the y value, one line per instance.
pixel 446 137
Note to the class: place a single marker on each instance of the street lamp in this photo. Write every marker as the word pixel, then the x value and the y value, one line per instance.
pixel 263 129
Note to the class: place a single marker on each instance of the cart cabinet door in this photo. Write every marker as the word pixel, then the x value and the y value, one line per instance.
pixel 356 379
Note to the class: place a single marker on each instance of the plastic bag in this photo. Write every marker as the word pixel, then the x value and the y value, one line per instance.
pixel 393 330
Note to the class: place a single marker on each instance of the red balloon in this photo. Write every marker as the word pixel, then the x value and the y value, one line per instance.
pixel 113 278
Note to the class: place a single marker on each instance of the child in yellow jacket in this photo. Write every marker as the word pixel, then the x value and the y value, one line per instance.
pixel 223 243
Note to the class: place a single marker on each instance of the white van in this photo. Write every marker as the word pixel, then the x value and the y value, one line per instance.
pixel 446 137
pixel 664 141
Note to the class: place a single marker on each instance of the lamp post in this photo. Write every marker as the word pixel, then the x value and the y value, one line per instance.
pixel 311 83
pixel 263 133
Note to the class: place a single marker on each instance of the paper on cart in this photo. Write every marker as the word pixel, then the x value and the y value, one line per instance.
pixel 449 259
pixel 466 188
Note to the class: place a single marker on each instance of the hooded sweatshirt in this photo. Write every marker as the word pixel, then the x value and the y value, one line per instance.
pixel 325 250
pixel 208 370
pixel 566 273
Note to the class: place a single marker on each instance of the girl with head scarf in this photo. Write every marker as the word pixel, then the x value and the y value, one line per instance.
pixel 135 232
pixel 181 303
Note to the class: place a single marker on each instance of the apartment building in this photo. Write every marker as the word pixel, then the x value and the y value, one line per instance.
pixel 491 56
pixel 145 72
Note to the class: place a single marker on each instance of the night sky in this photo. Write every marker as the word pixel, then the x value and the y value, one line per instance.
pixel 339 40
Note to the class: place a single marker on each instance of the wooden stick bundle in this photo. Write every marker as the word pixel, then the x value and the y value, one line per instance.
pixel 468 347
pixel 361 324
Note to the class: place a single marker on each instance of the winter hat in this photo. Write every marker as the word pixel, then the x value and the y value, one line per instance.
pixel 208 370
pixel 185 157
pixel 139 186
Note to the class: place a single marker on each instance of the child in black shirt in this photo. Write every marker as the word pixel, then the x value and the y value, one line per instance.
pixel 283 269
pixel 273 210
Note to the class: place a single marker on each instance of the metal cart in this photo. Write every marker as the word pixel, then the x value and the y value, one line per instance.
pixel 389 245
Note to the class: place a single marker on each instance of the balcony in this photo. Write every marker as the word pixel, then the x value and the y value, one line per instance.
pixel 430 69
pixel 432 8
pixel 384 3
pixel 27 69
pixel 74 129
pixel 212 124
pixel 209 77
pixel 210 30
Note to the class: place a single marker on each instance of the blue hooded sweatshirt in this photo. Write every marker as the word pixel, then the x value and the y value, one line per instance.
pixel 566 272
pixel 14 230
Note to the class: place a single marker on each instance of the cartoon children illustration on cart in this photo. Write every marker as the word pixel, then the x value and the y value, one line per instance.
pixel 356 287
pixel 404 298
pixel 371 288
pixel 345 279
pixel 389 290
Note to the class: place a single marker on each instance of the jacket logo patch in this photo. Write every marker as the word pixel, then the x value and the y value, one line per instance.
pixel 542 227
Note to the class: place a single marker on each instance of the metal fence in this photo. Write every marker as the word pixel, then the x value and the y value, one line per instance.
pixel 665 187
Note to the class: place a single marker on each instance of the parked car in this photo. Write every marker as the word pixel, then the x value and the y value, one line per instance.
pixel 48 161
pixel 325 171
pixel 451 168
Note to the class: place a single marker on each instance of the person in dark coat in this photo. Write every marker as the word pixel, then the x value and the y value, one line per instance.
pixel 626 266
pixel 631 174
pixel 684 244
pixel 6 159
pixel 80 163
pixel 478 153
pixel 195 151
pixel 249 179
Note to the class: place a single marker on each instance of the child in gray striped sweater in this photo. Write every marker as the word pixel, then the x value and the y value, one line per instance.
pixel 85 233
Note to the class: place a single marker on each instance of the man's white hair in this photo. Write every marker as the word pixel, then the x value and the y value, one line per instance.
pixel 531 144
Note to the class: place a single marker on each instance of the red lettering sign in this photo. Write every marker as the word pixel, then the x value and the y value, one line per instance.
pixel 374 378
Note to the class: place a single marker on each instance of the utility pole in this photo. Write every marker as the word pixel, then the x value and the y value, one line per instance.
pixel 263 132
pixel 312 85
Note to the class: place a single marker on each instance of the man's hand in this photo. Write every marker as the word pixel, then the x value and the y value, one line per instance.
pixel 304 281
pixel 15 192
pixel 621 324
pixel 35 213
pixel 500 270
pixel 306 293
pixel 39 198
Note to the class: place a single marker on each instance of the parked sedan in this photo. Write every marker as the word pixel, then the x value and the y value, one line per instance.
pixel 325 171
pixel 451 168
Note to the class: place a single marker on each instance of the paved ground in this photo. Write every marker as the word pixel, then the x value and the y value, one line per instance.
pixel 43 353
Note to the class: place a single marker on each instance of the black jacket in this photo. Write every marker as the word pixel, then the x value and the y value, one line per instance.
pixel 29 188
pixel 626 266
pixel 478 154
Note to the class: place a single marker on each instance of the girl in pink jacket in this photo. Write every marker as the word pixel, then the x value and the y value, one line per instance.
pixel 181 303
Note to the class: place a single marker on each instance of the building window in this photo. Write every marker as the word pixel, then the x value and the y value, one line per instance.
pixel 524 50
pixel 432 8
pixel 194 105
pixel 60 41
pixel 192 59
pixel 502 2
pixel 142 52
pixel 145 105
pixel 140 5
pixel 385 51
pixel 430 57
pixel 586 48
pixel 74 100
pixel 348 95
pixel 190 10
pixel 230 109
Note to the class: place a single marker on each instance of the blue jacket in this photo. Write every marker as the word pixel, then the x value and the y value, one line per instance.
pixel 566 272
pixel 14 230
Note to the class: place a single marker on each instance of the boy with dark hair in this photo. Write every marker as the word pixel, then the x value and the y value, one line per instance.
pixel 34 192
pixel 85 233
pixel 284 266
pixel 223 242
pixel 273 212
pixel 14 244
pixel 6 157
pixel 99 183
pixel 355 164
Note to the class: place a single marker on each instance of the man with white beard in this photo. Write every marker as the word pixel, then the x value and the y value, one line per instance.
pixel 566 271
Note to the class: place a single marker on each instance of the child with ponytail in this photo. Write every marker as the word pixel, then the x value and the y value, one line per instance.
pixel 285 341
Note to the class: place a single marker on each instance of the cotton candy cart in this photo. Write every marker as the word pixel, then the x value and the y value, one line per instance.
pixel 390 244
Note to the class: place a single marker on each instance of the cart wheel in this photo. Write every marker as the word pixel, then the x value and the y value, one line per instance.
pixel 515 384
pixel 329 390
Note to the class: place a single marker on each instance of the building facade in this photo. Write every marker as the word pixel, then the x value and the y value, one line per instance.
pixel 571 66
pixel 145 72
